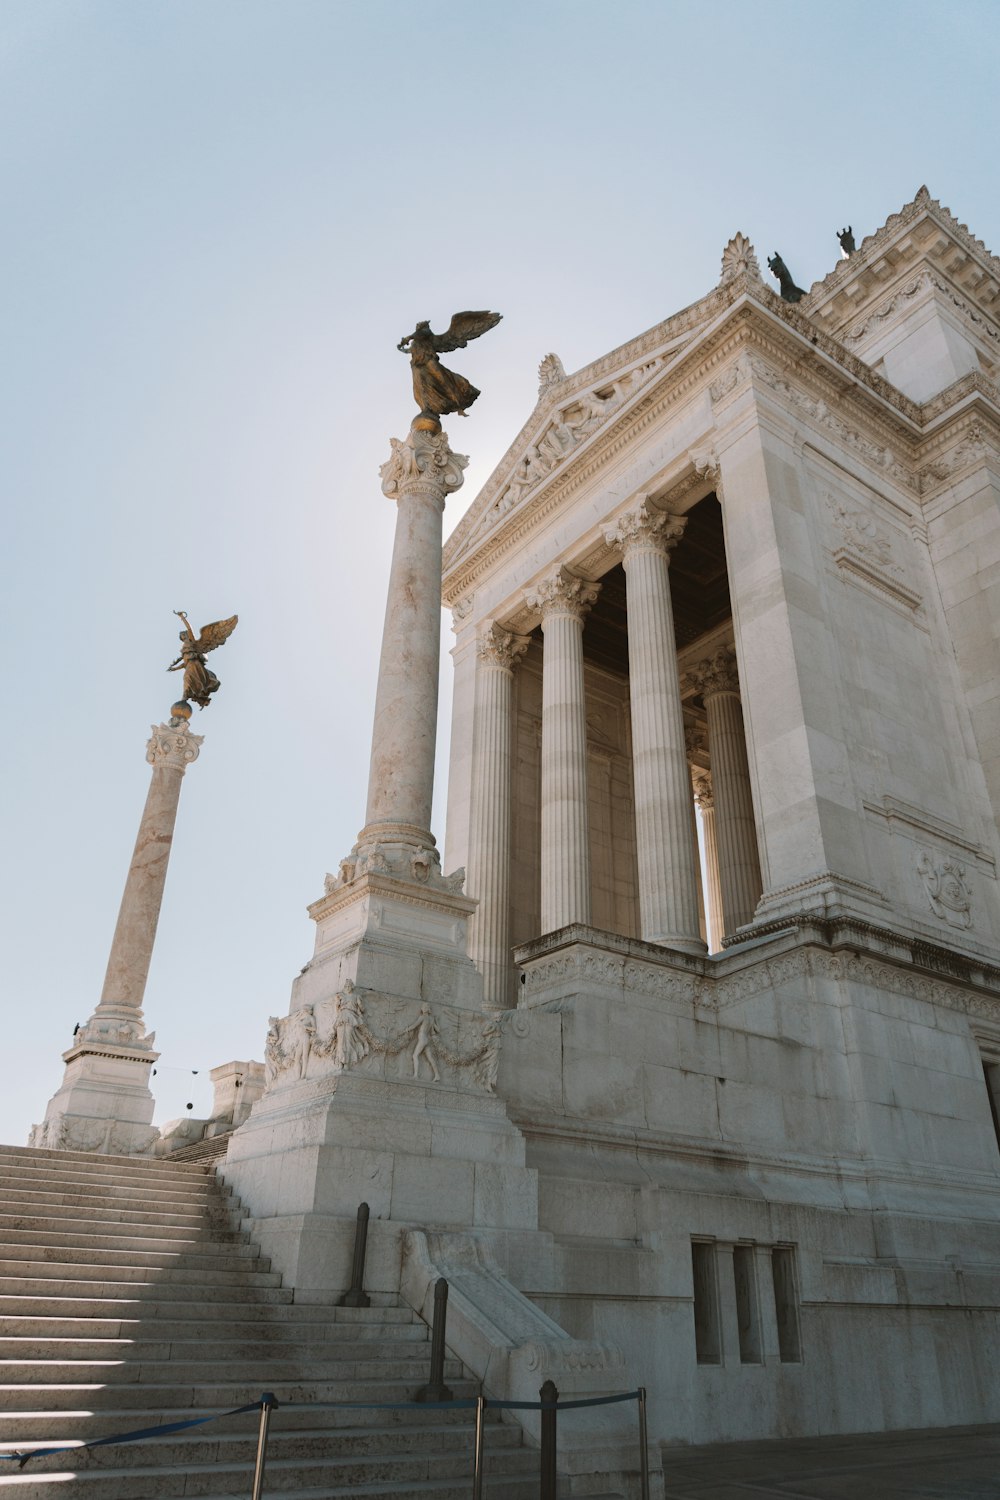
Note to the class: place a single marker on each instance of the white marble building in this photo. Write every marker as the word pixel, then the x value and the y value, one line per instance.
pixel 722 1122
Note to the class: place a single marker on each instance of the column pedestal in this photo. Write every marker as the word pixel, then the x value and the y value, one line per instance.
pixel 104 1103
pixel 380 1079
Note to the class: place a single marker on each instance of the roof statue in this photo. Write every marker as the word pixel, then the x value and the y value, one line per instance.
pixel 846 238
pixel 438 391
pixel 789 291
pixel 199 680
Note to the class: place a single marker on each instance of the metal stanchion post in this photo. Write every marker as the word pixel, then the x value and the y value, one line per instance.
pixel 356 1296
pixel 477 1472
pixel 268 1403
pixel 548 1395
pixel 435 1389
pixel 643 1445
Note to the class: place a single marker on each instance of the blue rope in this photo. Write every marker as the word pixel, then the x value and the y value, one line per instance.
pixel 133 1437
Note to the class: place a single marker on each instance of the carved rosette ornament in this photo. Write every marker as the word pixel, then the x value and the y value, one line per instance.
pixel 173 747
pixel 550 373
pixel 653 531
pixel 423 465
pixel 562 593
pixel 716 674
pixel 501 648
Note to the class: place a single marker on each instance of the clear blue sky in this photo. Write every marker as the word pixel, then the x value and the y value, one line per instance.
pixel 220 216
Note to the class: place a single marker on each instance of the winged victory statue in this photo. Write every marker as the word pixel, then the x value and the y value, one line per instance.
pixel 199 680
pixel 436 390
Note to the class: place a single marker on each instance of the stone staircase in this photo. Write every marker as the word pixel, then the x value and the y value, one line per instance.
pixel 129 1296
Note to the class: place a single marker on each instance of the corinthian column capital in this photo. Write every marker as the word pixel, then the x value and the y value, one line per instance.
pixel 562 593
pixel 173 747
pixel 716 674
pixel 653 531
pixel 501 648
pixel 703 794
pixel 424 465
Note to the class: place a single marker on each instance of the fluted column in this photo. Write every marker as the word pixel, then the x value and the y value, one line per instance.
pixel 488 878
pixel 420 474
pixel 713 890
pixel 667 853
pixel 563 600
pixel 736 835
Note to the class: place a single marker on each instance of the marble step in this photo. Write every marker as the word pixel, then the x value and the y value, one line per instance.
pixel 235 1242
pixel 209 1396
pixel 448 1476
pixel 20 1179
pixel 149 1309
pixel 288 1323
pixel 205 1220
pixel 84 1166
pixel 91 1255
pixel 121 1271
pixel 412 1364
pixel 42 1199
pixel 209 1350
pixel 153 1289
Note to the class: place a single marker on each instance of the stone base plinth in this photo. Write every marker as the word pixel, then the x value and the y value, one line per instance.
pixel 104 1104
pixel 380 1090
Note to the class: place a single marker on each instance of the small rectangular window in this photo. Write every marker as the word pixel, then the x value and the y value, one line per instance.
pixel 747 1309
pixel 707 1338
pixel 786 1303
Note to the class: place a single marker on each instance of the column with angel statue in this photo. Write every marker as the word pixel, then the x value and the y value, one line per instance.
pixel 200 682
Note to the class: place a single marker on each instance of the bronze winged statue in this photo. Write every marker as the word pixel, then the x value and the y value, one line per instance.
pixel 438 391
pixel 200 681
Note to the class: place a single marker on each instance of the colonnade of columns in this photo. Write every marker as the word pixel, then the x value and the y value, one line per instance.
pixel 668 866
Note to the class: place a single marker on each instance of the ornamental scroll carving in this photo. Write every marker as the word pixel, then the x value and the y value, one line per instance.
pixel 350 1032
pixel 562 592
pixel 657 531
pixel 501 648
pixel 423 464
pixel 173 747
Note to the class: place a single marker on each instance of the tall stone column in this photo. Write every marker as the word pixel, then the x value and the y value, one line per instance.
pixel 736 835
pixel 563 601
pixel 668 886
pixel 104 1103
pixel 713 890
pixel 420 474
pixel 488 878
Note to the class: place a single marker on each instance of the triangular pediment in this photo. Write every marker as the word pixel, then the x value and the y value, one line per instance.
pixel 570 413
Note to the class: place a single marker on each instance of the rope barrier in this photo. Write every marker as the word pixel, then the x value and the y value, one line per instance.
pixel 460 1403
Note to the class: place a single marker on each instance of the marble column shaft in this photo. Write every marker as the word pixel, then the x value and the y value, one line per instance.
pixel 170 751
pixel 667 854
pixel 563 600
pixel 488 878
pixel 736 834
pixel 713 889
pixel 420 474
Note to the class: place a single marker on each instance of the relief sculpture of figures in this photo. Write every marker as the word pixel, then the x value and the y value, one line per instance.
pixel 200 682
pixel 436 390
pixel 349 1044
pixel 426 1029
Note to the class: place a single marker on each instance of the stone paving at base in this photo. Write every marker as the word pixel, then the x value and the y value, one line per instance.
pixel 944 1464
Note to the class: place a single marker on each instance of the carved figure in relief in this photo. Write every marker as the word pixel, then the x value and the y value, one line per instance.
pixel 436 390
pixel 789 291
pixel 305 1036
pixel 426 1029
pixel 349 1044
pixel 200 682
pixel 274 1052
